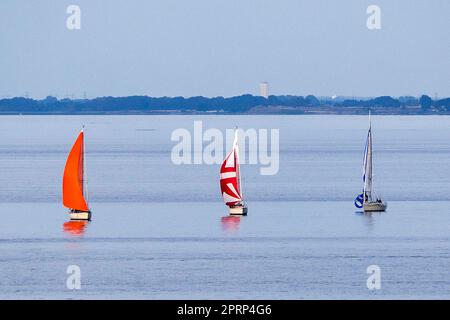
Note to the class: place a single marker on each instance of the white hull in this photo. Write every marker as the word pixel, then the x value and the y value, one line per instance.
pixel 374 206
pixel 82 215
pixel 238 211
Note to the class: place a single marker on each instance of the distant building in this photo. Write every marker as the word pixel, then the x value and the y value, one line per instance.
pixel 264 89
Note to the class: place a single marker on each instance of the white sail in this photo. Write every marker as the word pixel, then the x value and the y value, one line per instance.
pixel 367 167
pixel 85 179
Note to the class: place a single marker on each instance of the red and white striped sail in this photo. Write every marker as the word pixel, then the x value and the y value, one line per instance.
pixel 229 176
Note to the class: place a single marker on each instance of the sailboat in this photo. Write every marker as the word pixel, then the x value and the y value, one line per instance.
pixel 75 192
pixel 230 181
pixel 365 200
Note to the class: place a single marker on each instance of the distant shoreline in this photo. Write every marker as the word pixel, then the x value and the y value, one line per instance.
pixel 238 105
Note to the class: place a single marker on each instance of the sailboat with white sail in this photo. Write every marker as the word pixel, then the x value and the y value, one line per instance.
pixel 74 187
pixel 366 199
pixel 231 182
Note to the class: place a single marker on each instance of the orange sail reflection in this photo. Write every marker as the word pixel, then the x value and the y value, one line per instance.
pixel 76 228
pixel 230 223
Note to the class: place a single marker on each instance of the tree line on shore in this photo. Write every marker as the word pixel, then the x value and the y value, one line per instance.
pixel 237 104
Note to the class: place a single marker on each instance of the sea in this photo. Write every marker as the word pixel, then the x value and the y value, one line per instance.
pixel 160 229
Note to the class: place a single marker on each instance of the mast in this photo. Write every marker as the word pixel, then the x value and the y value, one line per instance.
pixel 369 174
pixel 85 180
pixel 236 146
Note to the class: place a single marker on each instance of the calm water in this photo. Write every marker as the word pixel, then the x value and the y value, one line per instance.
pixel 160 231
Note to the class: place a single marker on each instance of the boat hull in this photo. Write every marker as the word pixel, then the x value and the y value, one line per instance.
pixel 375 206
pixel 238 211
pixel 80 215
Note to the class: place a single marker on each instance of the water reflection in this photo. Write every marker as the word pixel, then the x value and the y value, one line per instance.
pixel 76 228
pixel 369 218
pixel 230 223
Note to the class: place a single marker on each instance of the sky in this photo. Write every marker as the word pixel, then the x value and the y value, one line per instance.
pixel 224 48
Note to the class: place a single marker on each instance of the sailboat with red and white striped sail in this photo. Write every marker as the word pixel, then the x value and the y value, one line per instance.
pixel 75 193
pixel 230 181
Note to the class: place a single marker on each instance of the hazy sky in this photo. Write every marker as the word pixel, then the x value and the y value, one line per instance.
pixel 224 47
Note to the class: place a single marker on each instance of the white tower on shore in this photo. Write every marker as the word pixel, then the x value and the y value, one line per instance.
pixel 264 89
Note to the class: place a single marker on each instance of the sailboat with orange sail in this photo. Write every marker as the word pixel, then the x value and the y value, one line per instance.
pixel 75 191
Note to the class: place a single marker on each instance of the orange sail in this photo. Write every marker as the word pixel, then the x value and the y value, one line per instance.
pixel 73 180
